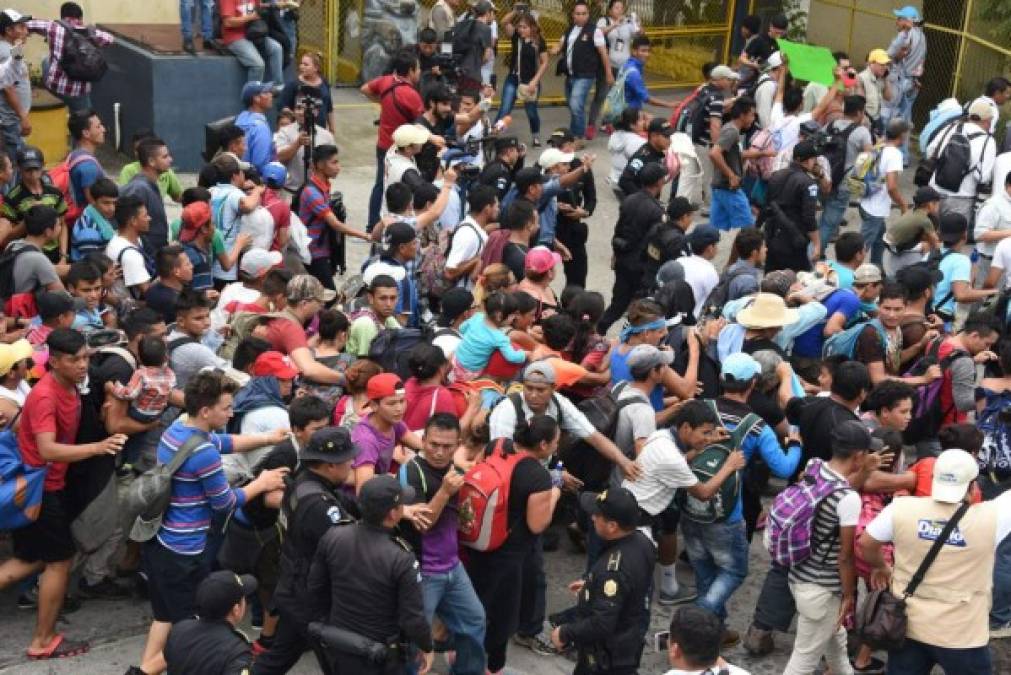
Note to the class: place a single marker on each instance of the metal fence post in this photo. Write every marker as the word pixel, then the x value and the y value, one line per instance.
pixel 962 40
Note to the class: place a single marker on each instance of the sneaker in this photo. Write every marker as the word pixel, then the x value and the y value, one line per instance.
pixel 875 667
pixel 683 595
pixel 536 142
pixel 758 641
pixel 730 639
pixel 538 644
pixel 591 133
pixel 996 632
pixel 189 47
pixel 106 589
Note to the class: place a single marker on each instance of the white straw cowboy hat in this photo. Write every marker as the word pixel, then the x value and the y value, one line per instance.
pixel 767 311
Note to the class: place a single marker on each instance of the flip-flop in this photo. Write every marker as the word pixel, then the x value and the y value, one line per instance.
pixel 58 648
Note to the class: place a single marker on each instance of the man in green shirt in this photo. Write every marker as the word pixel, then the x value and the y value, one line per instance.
pixel 382 297
pixel 168 182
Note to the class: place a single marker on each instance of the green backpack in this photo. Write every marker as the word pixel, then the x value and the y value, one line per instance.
pixel 615 103
pixel 707 464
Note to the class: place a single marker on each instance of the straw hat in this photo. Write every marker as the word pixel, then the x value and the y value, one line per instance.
pixel 767 311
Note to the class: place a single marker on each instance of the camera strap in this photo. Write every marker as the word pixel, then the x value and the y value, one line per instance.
pixel 391 90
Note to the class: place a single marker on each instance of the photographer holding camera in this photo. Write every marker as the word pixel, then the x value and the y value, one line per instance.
pixel 295 141
pixel 441 122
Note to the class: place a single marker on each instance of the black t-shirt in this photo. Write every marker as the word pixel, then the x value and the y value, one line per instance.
pixel 767 408
pixel 760 47
pixel 514 257
pixel 529 477
pixel 162 299
pixel 259 515
pixel 428 159
pixel 529 57
pixel 816 417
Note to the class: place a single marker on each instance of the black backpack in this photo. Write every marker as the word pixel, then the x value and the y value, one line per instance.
pixel 664 242
pixel 718 297
pixel 954 163
pixel 391 348
pixel 7 260
pixel 82 59
pixel 836 153
pixel 692 119
pixel 463 36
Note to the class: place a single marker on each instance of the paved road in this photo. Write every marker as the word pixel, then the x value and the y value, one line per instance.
pixel 116 629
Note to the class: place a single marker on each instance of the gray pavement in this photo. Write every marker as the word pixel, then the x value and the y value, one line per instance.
pixel 117 629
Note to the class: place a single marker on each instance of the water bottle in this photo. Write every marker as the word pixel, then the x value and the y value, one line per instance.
pixel 556 474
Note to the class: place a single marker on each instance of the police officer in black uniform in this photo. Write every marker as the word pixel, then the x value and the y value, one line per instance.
pixel 499 172
pixel 653 151
pixel 210 644
pixel 312 505
pixel 576 203
pixel 636 215
pixel 789 218
pixel 609 624
pixel 366 581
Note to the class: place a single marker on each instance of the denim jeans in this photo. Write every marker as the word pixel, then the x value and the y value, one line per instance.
pixel 290 26
pixel 719 555
pixel 509 101
pixel 600 92
pixel 577 89
pixel 917 658
pixel 207 9
pixel 872 228
pixel 256 67
pixel 904 110
pixel 1000 612
pixel 832 215
pixel 452 598
pixel 13 141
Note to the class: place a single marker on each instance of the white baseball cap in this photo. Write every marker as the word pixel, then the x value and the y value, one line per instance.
pixel 553 156
pixel 256 262
pixel 410 134
pixel 775 60
pixel 383 269
pixel 954 472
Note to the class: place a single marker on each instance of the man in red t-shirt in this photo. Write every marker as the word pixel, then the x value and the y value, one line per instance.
pixel 274 177
pixel 305 299
pixel 49 422
pixel 399 103
pixel 236 15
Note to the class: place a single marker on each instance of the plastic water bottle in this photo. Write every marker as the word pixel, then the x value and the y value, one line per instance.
pixel 556 474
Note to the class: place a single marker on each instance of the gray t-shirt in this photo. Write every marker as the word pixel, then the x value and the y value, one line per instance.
pixel 730 141
pixel 19 74
pixel 32 272
pixel 188 359
pixel 636 420
pixel 858 139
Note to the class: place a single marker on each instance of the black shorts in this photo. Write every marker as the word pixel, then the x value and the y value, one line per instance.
pixel 663 523
pixel 48 539
pixel 172 580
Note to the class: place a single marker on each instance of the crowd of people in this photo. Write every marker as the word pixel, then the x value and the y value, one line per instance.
pixel 217 412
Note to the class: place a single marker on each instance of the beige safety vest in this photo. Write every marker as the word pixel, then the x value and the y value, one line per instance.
pixel 951 606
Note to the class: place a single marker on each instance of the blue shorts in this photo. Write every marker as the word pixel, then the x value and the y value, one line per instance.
pixel 730 210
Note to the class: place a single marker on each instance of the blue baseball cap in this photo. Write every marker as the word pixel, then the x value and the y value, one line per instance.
pixel 907 12
pixel 274 174
pixel 742 367
pixel 254 88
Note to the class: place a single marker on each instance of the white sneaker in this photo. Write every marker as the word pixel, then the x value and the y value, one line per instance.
pixel 1000 632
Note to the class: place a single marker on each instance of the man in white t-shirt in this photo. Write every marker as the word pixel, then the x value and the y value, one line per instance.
pixel 693 647
pixel 996 94
pixel 700 273
pixel 979 172
pixel 993 227
pixel 291 142
pixel 463 262
pixel 126 249
pixel 876 206
pixel 664 471
pixel 824 584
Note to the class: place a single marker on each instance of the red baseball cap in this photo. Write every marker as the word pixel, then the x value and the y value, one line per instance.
pixel 194 217
pixel 382 385
pixel 276 364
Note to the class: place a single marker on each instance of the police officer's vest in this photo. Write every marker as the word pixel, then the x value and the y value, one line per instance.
pixel 585 57
pixel 951 607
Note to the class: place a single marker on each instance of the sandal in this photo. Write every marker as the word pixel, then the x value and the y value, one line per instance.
pixel 875 667
pixel 59 648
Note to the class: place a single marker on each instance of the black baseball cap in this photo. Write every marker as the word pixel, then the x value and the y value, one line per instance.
pixel 504 143
pixel 805 150
pixel 680 206
pixel 30 157
pixel 953 227
pixel 652 173
pixel 528 176
pixel 925 195
pixel 854 435
pixel 561 136
pixel 10 17
pixel 658 125
pixel 400 233
pixel 453 303
pixel 380 494
pixel 617 504
pixel 220 591
pixel 332 445
pixel 52 304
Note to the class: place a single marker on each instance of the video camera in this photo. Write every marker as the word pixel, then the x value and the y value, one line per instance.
pixel 823 141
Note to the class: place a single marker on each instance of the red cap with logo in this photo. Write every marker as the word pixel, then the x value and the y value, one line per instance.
pixel 382 385
pixel 276 364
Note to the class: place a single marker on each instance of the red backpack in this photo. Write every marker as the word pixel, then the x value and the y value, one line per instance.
pixel 495 246
pixel 484 498
pixel 59 176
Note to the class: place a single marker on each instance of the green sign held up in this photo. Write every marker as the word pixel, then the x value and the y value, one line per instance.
pixel 809 62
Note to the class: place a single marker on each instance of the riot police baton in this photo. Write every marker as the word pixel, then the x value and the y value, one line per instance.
pixel 335 639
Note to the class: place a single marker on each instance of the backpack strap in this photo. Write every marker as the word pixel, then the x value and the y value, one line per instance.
pixel 179 342
pixel 743 428
pixel 935 549
pixel 184 452
pixel 122 353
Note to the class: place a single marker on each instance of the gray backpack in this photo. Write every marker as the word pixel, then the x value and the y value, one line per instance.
pixel 147 498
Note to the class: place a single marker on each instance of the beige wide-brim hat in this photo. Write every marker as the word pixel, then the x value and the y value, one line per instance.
pixel 767 311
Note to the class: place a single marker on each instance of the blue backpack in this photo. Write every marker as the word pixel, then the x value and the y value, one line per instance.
pixel 20 486
pixel 845 342
pixel 85 237
pixel 995 423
